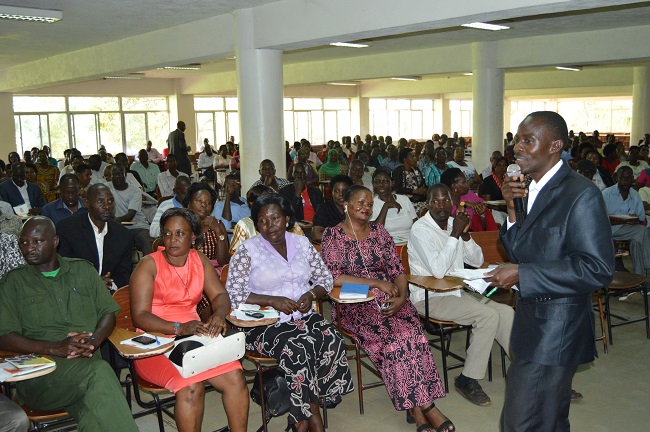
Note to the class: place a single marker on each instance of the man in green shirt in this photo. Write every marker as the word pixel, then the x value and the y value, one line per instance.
pixel 60 307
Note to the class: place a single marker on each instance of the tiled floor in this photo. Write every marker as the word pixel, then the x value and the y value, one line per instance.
pixel 616 389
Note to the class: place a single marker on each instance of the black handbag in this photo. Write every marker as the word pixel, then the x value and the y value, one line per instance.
pixel 276 393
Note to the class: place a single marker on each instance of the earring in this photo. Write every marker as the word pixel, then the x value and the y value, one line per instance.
pixel 345 209
pixel 193 243
pixel 287 225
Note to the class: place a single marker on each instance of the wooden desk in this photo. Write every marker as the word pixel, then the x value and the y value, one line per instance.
pixel 623 220
pixel 431 283
pixel 499 205
pixel 131 352
pixel 252 323
pixel 335 295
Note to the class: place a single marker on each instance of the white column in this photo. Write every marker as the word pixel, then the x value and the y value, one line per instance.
pixel 488 96
pixel 640 103
pixel 7 125
pixel 260 95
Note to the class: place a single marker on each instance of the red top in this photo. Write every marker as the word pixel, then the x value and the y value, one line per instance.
pixel 307 209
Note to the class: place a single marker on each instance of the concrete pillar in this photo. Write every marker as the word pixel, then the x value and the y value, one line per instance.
pixel 260 94
pixel 640 103
pixel 7 125
pixel 488 97
pixel 507 108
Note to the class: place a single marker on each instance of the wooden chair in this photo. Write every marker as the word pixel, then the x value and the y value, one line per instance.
pixel 158 405
pixel 156 244
pixel 625 283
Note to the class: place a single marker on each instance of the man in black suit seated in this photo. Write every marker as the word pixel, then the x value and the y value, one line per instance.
pixel 304 199
pixel 81 234
pixel 19 191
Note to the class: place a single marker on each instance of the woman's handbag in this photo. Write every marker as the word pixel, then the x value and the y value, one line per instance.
pixel 193 355
pixel 277 397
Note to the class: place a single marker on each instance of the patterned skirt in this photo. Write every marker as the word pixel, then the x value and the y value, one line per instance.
pixel 311 353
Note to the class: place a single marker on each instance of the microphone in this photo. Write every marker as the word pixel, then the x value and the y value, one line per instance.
pixel 520 212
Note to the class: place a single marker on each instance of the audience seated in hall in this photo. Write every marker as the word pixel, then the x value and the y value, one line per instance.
pixel 481 218
pixel 82 384
pixel 439 242
pixel 268 178
pixel 359 172
pixel 304 199
pixel 153 154
pixel 622 199
pixel 408 178
pixel 394 211
pixel 69 203
pixel 96 237
pixel 331 212
pixel 167 179
pixel 634 162
pixel 147 171
pixel 181 186
pixel 17 191
pixel 233 208
pixel 602 178
pixel 128 208
pixel 84 173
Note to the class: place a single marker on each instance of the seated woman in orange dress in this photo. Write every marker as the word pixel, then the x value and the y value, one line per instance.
pixel 165 289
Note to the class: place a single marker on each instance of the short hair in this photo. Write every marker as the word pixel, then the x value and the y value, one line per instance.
pixel 94 189
pixel 274 199
pixel 353 190
pixel 82 167
pixel 633 147
pixel 585 165
pixel 69 177
pixel 172 155
pixel 554 122
pixel 625 168
pixel 435 188
pixel 403 154
pixel 267 161
pixel 594 151
pixel 257 191
pixel 449 176
pixel 31 165
pixel 340 178
pixel 499 159
pixel 232 176
pixel 189 216
pixel 382 170
pixel 196 188
pixel 182 179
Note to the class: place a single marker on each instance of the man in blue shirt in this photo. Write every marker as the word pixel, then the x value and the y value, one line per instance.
pixel 233 208
pixel 69 203
pixel 622 199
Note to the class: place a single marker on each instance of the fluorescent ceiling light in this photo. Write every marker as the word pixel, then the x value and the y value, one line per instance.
pixel 30 14
pixel 192 66
pixel 407 78
pixel 486 26
pixel 569 68
pixel 133 76
pixel 468 74
pixel 351 44
pixel 344 83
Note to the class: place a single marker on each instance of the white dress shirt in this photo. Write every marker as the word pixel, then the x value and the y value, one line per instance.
pixel 23 193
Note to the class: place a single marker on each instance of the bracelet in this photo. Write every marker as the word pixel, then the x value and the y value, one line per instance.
pixel 313 294
pixel 177 328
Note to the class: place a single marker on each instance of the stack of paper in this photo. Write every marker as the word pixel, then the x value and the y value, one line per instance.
pixel 474 279
pixel 7 370
pixel 240 313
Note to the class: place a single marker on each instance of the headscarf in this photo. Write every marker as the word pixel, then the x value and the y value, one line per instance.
pixel 330 169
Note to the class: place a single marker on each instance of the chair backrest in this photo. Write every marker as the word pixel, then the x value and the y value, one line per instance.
pixel 489 242
pixel 156 244
pixel 224 274
pixel 123 318
pixel 404 257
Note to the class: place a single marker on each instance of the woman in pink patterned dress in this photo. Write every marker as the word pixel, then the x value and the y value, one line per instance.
pixel 358 252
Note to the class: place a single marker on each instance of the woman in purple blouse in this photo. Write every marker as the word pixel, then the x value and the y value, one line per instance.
pixel 284 271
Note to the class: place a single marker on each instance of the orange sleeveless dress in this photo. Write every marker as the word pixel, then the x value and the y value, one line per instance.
pixel 173 301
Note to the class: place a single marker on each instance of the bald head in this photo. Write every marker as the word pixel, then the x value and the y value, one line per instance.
pixel 39 222
pixel 38 242
pixel 95 189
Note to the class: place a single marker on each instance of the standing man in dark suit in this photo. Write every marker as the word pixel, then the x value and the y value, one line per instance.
pixel 81 234
pixel 18 191
pixel 560 254
pixel 178 146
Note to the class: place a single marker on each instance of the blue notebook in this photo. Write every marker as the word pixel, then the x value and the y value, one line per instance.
pixel 351 291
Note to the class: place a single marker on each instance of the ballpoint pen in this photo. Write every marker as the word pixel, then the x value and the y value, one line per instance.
pixel 492 291
pixel 157 341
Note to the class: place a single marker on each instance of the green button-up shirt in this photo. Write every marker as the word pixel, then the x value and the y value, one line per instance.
pixel 48 308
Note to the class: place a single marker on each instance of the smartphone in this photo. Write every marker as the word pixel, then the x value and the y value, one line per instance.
pixel 254 314
pixel 384 306
pixel 144 340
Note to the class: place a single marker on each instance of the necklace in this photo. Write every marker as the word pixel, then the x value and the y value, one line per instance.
pixel 187 278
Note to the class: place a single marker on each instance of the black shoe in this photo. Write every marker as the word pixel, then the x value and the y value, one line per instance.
pixel 472 391
pixel 575 396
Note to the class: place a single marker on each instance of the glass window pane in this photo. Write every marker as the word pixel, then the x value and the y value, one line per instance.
pixel 427 124
pixel 38 104
pixel 466 104
pixel 405 124
pixel 208 103
pixel 454 105
pixel 136 133
pixel 377 104
pixel 336 104
pixel 288 127
pixel 380 126
pixel 288 104
pixel 330 126
pixel 59 136
pixel 317 128
pixel 19 144
pixel 416 124
pixel 110 132
pixel 301 125
pixel 158 124
pixel 344 124
pixel 45 136
pixel 466 123
pixel 232 104
pixel 93 103
pixel 422 104
pixel 144 103
pixel 205 127
pixel 393 125
pixel 84 136
pixel 398 104
pixel 455 120
pixel 307 104
pixel 220 130
pixel 30 132
pixel 233 124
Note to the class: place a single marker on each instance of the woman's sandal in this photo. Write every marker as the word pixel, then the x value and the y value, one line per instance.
pixel 441 428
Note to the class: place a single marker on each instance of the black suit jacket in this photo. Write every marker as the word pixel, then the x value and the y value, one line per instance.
pixel 77 240
pixel 565 252
pixel 178 146
pixel 10 193
pixel 315 196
